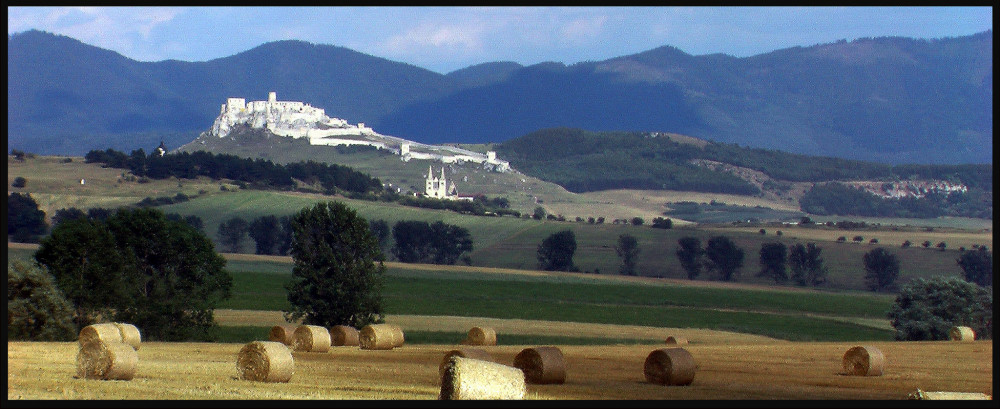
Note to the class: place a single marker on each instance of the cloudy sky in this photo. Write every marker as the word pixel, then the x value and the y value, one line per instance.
pixel 444 39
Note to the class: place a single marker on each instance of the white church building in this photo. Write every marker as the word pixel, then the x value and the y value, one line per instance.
pixel 439 188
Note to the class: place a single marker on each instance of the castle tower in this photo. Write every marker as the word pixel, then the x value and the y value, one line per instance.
pixel 404 149
pixel 272 97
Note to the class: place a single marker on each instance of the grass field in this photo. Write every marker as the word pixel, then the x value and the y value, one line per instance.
pixel 748 371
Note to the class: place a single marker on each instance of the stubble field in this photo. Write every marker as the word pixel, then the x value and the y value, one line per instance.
pixel 741 371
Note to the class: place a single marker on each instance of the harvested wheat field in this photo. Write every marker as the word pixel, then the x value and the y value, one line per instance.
pixel 785 370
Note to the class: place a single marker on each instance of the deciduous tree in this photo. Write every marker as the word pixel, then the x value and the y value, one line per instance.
pixel 926 309
pixel 773 257
pixel 977 266
pixel 628 252
pixel 339 268
pixel 556 252
pixel 881 270
pixel 724 257
pixel 689 252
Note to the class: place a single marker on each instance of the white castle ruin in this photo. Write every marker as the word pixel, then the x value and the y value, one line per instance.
pixel 300 120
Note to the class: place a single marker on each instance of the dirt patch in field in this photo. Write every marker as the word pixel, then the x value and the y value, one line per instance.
pixel 749 371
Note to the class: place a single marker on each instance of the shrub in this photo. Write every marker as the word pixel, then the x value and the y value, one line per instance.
pixel 20 182
pixel 926 309
pixel 36 309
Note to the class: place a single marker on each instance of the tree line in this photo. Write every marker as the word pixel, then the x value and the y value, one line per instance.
pixel 259 173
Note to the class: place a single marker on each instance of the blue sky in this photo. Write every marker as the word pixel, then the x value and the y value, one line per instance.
pixel 444 39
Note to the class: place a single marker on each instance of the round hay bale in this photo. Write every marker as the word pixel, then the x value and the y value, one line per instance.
pixel 112 360
pixel 542 365
pixel 344 336
pixel 106 332
pixel 265 361
pixel 283 333
pixel 311 338
pixel 397 336
pixel 481 336
pixel 130 334
pixel 377 336
pixel 474 379
pixel 471 353
pixel 964 334
pixel 672 340
pixel 669 366
pixel 864 361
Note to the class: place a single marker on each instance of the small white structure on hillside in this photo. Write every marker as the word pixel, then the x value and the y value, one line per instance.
pixel 439 188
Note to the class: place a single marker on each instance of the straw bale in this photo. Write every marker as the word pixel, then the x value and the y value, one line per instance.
pixel 398 337
pixel 473 353
pixel 672 340
pixel 481 336
pixel 106 332
pixel 923 395
pixel 112 360
pixel 283 333
pixel 377 336
pixel 669 366
pixel 311 338
pixel 864 361
pixel 344 335
pixel 964 334
pixel 542 365
pixel 474 379
pixel 130 334
pixel 265 361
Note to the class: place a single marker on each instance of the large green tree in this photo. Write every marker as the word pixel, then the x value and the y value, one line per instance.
pixel 881 270
pixel 977 266
pixel 25 222
pixel 556 252
pixel 807 264
pixel 448 242
pixel 689 252
pixel 162 276
pixel 36 309
pixel 266 234
pixel 422 242
pixel 339 268
pixel 926 309
pixel 231 233
pixel 773 258
pixel 724 257
pixel 628 251
pixel 173 274
pixel 82 256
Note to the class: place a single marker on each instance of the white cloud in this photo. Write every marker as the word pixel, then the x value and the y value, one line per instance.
pixel 583 29
pixel 122 29
pixel 454 37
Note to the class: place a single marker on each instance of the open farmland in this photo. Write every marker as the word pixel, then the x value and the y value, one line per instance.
pixel 751 370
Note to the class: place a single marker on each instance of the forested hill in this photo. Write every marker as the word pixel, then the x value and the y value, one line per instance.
pixel 582 161
pixel 891 99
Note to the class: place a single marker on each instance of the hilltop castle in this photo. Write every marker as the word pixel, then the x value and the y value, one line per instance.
pixel 300 120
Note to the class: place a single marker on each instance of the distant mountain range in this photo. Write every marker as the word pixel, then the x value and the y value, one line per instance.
pixel 893 100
